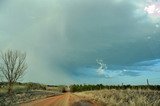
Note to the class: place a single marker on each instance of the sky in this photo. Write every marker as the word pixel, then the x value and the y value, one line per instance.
pixel 84 41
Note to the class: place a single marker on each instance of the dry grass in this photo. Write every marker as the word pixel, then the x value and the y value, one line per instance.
pixel 124 97
pixel 15 99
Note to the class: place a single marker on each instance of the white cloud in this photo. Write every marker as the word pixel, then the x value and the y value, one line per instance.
pixel 102 69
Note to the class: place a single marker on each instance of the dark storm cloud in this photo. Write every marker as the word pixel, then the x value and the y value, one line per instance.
pixel 105 30
pixel 61 36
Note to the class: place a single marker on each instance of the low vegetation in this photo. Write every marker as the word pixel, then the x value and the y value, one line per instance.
pixel 26 92
pixel 126 97
pixel 80 88
pixel 18 98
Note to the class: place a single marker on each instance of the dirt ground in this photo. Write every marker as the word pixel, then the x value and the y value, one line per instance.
pixel 67 99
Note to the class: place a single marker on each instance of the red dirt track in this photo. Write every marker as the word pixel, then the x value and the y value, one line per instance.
pixel 67 99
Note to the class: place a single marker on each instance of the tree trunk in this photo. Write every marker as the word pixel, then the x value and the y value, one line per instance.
pixel 10 88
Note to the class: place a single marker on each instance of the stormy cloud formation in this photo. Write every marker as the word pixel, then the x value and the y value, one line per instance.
pixel 63 39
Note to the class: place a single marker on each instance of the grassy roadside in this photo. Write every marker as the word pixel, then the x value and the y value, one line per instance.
pixel 27 92
pixel 124 97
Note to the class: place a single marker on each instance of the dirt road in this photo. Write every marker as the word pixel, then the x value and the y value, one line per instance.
pixel 67 99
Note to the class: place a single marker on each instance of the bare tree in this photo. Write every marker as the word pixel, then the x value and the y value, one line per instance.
pixel 13 66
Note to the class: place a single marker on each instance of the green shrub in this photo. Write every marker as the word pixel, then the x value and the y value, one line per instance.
pixel 35 86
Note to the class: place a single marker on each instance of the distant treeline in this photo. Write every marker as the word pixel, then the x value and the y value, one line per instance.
pixel 28 86
pixel 79 88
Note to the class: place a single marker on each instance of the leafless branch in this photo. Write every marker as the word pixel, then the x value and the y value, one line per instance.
pixel 13 65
